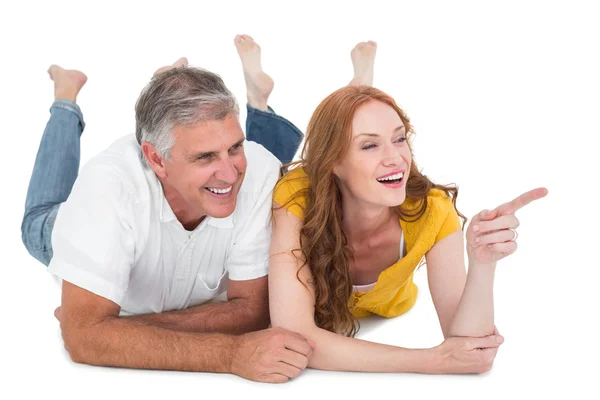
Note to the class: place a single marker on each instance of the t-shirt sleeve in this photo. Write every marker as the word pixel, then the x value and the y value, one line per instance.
pixel 451 222
pixel 291 191
pixel 92 239
pixel 249 258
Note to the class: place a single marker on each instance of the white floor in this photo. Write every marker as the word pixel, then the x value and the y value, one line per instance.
pixel 504 99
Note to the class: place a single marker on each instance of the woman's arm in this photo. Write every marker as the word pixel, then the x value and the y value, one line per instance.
pixel 489 239
pixel 464 303
pixel 292 307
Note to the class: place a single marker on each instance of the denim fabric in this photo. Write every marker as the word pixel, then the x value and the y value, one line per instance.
pixel 275 133
pixel 54 173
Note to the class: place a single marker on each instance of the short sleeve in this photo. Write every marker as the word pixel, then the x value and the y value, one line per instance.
pixel 291 191
pixel 92 239
pixel 451 222
pixel 249 258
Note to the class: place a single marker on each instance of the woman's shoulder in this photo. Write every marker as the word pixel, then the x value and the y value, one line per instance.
pixel 438 219
pixel 291 191
pixel 436 199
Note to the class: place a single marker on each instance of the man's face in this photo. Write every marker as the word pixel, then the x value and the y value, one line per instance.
pixel 206 167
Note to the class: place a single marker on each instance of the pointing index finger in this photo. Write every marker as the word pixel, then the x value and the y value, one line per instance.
pixel 512 206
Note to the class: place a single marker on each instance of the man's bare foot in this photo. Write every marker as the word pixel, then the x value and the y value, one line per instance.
pixel 67 82
pixel 181 63
pixel 363 61
pixel 258 84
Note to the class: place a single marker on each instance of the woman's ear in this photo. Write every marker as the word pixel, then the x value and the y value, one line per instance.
pixel 336 170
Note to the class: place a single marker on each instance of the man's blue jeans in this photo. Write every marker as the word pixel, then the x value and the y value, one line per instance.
pixel 57 164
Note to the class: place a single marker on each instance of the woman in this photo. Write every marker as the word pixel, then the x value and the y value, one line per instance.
pixel 352 222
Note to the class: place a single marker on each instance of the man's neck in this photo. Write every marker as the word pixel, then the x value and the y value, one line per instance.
pixel 182 210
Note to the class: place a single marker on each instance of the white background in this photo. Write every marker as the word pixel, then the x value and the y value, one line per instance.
pixel 504 97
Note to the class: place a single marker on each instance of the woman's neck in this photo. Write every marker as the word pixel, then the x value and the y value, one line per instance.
pixel 362 221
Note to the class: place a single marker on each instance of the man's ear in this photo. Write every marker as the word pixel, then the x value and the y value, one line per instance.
pixel 154 160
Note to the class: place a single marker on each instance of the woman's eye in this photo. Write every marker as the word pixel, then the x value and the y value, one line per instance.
pixel 369 146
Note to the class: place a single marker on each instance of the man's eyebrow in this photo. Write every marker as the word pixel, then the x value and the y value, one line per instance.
pixel 398 129
pixel 195 156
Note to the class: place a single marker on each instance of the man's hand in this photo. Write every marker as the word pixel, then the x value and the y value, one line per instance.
pixel 273 355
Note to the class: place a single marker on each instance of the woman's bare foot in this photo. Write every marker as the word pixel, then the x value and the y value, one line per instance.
pixel 258 84
pixel 181 63
pixel 67 82
pixel 363 61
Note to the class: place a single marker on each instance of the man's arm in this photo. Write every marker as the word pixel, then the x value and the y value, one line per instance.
pixel 94 334
pixel 247 310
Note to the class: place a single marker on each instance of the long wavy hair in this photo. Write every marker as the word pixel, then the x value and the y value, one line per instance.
pixel 324 245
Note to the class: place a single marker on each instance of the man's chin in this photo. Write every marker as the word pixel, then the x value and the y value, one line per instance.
pixel 221 213
pixel 220 210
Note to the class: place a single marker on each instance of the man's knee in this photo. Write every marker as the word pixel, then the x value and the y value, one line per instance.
pixel 34 238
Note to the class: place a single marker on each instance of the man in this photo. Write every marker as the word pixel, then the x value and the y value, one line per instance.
pixel 155 228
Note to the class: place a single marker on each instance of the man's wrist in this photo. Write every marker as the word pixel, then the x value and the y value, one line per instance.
pixel 230 349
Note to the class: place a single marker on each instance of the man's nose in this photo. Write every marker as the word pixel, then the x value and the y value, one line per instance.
pixel 227 172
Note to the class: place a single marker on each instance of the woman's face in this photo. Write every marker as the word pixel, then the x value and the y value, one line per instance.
pixel 376 167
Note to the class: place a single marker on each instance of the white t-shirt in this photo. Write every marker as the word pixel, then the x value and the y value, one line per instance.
pixel 116 235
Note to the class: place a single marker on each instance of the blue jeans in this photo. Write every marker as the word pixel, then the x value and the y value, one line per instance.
pixel 57 164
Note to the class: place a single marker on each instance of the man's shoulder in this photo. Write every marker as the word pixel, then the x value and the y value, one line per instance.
pixel 118 164
pixel 262 169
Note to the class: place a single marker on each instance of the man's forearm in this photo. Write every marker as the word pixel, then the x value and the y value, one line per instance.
pixel 122 343
pixel 236 316
pixel 474 315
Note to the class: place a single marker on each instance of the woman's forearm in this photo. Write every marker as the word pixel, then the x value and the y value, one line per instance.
pixel 474 315
pixel 339 353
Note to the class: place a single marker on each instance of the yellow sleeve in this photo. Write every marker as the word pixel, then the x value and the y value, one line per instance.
pixel 451 222
pixel 291 192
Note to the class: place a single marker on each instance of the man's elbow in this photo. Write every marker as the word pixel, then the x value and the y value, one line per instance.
pixel 258 319
pixel 80 342
pixel 72 340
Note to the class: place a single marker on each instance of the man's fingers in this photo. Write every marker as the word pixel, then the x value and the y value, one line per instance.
pixel 294 358
pixel 297 343
pixel 512 206
pixel 275 378
pixel 287 370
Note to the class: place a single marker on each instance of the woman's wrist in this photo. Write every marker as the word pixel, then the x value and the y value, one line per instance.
pixel 422 361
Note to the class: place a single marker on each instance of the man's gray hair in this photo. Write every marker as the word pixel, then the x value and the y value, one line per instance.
pixel 179 97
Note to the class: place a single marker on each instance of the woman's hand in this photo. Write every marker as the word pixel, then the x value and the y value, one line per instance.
pixel 466 355
pixel 491 235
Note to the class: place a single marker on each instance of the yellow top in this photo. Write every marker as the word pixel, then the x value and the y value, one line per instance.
pixel 394 292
